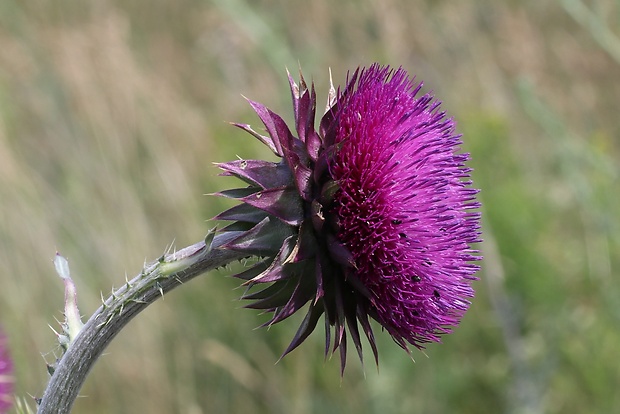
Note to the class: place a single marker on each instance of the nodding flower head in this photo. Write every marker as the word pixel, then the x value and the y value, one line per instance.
pixel 6 376
pixel 370 216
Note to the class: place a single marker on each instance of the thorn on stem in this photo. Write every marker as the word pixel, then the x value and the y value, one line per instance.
pixel 161 291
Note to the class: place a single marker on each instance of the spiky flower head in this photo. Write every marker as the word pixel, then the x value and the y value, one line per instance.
pixel 6 376
pixel 369 217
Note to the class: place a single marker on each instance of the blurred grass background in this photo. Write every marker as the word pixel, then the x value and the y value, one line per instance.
pixel 112 113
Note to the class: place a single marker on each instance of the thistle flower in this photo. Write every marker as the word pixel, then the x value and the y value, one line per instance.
pixel 368 217
pixel 6 377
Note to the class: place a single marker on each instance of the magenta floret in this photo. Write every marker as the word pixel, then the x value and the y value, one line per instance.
pixel 372 215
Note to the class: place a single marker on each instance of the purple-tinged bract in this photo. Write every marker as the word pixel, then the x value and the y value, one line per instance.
pixel 6 377
pixel 370 216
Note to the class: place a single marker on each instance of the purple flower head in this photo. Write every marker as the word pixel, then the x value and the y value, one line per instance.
pixel 370 216
pixel 6 377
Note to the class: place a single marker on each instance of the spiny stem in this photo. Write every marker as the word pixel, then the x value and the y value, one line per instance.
pixel 117 310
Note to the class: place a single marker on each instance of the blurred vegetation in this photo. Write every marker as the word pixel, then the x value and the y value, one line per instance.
pixel 112 113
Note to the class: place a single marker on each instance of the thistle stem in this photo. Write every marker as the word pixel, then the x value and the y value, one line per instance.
pixel 123 305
